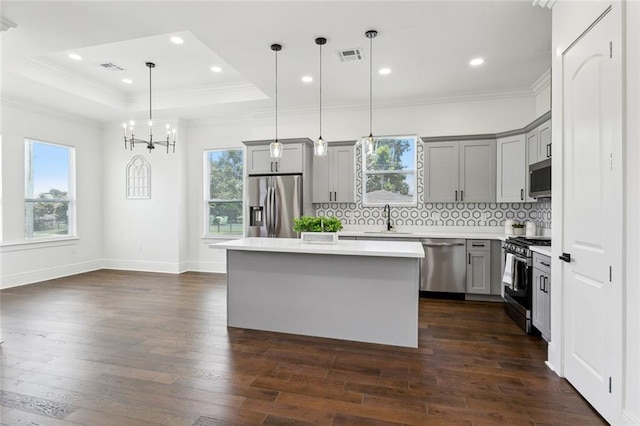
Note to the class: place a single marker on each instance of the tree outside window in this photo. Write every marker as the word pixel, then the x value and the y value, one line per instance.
pixel 225 171
pixel 389 172
pixel 48 190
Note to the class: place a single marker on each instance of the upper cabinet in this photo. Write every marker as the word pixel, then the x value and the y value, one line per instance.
pixel 539 143
pixel 334 174
pixel 460 171
pixel 295 156
pixel 511 169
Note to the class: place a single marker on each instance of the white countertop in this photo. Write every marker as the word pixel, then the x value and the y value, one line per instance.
pixel 345 248
pixel 546 250
pixel 471 235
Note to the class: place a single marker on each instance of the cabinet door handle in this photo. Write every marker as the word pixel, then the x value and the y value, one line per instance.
pixel 330 196
pixel 276 166
pixel 461 195
pixel 548 150
pixel 545 264
pixel 469 258
pixel 272 167
pixel 335 196
pixel 456 195
pixel 521 194
pixel 540 284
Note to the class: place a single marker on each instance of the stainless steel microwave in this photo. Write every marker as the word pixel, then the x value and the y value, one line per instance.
pixel 540 179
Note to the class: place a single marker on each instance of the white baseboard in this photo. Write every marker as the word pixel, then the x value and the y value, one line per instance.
pixel 145 266
pixel 554 362
pixel 32 277
pixel 630 419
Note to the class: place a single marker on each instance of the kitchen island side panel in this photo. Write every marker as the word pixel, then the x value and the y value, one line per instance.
pixel 359 298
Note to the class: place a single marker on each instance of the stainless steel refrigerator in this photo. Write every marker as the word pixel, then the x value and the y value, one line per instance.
pixel 274 201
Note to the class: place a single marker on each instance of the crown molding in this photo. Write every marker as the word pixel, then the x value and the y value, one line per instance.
pixel 542 83
pixel 196 96
pixel 34 107
pixel 67 80
pixel 268 112
pixel 544 3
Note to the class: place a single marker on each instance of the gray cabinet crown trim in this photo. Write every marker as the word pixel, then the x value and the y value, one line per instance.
pixel 535 123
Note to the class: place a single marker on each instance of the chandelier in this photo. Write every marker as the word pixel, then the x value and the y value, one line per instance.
pixel 129 131
pixel 369 141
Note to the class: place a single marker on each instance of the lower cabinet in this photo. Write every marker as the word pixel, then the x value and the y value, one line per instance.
pixel 541 315
pixel 479 266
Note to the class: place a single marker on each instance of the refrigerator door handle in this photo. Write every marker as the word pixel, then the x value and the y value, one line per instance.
pixel 270 229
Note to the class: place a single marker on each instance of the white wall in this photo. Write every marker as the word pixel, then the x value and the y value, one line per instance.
pixel 26 263
pixel 145 234
pixel 453 118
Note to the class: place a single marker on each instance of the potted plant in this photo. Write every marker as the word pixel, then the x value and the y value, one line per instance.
pixel 320 229
pixel 518 228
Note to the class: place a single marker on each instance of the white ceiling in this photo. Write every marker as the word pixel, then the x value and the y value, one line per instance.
pixel 427 45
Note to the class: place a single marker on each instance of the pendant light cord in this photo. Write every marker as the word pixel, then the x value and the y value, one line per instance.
pixel 320 91
pixel 276 96
pixel 149 94
pixel 370 86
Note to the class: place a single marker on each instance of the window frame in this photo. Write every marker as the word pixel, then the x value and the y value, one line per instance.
pixel 207 194
pixel 409 171
pixel 70 201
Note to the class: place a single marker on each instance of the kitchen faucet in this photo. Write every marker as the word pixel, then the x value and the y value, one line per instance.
pixel 387 212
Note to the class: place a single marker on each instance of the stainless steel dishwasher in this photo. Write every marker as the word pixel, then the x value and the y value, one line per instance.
pixel 444 266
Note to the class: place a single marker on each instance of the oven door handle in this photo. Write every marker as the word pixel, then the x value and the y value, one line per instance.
pixel 521 259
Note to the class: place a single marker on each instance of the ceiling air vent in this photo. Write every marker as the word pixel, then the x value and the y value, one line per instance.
pixel 111 67
pixel 349 55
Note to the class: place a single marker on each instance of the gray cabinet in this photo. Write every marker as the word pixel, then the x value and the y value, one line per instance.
pixel 259 161
pixel 479 266
pixel 539 143
pixel 334 174
pixel 541 310
pixel 460 171
pixel 511 169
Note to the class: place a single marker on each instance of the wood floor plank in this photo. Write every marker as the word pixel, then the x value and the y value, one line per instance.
pixel 136 348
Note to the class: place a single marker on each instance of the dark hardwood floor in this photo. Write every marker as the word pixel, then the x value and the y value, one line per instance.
pixel 122 348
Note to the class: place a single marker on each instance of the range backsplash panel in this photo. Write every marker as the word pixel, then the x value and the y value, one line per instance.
pixel 435 214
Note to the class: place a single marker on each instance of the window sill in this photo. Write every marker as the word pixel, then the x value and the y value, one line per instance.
pixel 37 244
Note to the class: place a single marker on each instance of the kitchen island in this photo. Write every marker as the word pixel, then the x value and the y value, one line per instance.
pixel 365 291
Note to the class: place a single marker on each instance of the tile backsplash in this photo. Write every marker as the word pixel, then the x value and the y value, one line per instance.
pixel 436 214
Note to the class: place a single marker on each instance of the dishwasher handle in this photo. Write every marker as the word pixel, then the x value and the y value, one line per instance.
pixel 442 244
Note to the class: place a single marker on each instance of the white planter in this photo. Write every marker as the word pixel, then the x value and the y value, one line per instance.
pixel 319 237
pixel 518 231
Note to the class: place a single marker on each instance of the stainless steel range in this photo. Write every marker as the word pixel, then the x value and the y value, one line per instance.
pixel 518 294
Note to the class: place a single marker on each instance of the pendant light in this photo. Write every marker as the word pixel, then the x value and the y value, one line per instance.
pixel 368 142
pixel 320 146
pixel 275 148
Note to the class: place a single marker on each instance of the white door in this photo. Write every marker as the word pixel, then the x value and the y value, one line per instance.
pixel 592 215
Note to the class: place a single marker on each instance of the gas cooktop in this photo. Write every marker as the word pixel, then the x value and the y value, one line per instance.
pixel 530 241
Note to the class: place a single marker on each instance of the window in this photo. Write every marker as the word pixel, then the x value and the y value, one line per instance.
pixel 49 190
pixel 389 172
pixel 224 173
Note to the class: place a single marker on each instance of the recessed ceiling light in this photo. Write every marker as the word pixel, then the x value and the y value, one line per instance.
pixel 385 71
pixel 75 56
pixel 177 40
pixel 307 79
pixel 127 80
pixel 476 61
pixel 216 69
